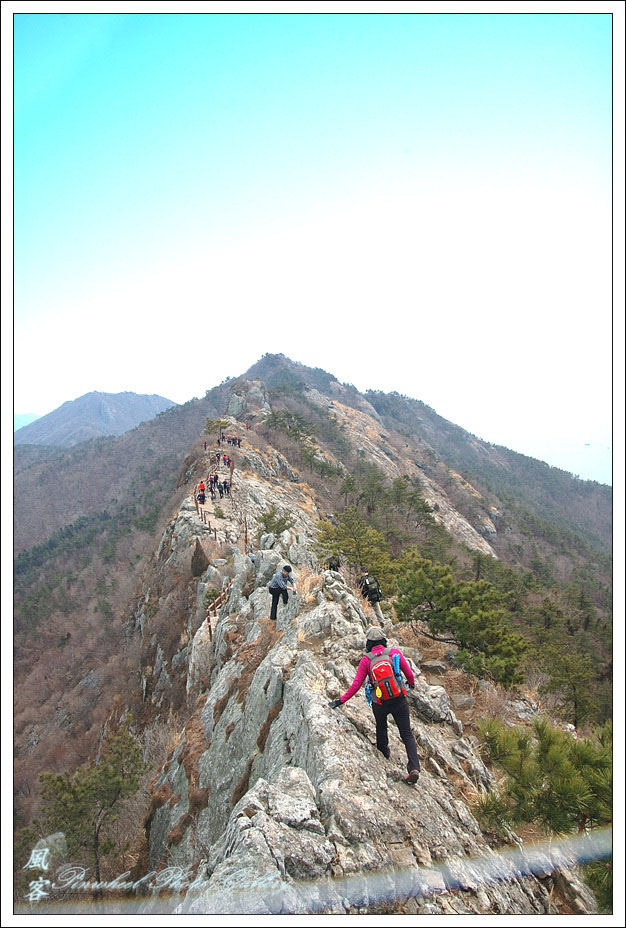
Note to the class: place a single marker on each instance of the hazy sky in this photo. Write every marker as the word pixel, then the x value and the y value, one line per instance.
pixel 417 202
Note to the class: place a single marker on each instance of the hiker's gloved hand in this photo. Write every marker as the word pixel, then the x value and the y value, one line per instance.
pixel 411 686
pixel 334 703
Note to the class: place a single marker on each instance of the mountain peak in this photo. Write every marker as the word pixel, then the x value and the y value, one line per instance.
pixel 92 415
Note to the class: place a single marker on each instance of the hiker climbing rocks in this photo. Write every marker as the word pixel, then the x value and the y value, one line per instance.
pixel 333 563
pixel 278 588
pixel 370 590
pixel 384 666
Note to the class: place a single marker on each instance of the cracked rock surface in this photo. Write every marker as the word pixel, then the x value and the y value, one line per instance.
pixel 285 806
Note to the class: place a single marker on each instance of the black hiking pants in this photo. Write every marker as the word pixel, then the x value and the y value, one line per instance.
pixel 399 709
pixel 276 594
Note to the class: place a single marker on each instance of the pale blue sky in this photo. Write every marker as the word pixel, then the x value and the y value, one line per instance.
pixel 419 203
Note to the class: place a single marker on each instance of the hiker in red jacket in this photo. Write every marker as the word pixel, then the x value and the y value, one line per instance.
pixel 388 695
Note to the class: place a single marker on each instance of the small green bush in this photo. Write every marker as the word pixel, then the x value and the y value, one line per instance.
pixel 274 521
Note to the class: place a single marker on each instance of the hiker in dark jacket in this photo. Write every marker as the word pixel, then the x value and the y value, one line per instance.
pixel 396 705
pixel 370 590
pixel 278 588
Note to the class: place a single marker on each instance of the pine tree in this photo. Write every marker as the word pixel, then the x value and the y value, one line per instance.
pixel 469 614
pixel 552 779
pixel 215 425
pixel 562 784
pixel 348 487
pixel 572 679
pixel 84 804
pixel 357 543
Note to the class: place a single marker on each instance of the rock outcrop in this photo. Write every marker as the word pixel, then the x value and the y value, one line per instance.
pixel 283 805
pixel 272 800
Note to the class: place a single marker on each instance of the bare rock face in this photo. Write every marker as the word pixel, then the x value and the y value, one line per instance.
pixel 288 804
pixel 454 522
pixel 274 802
pixel 249 401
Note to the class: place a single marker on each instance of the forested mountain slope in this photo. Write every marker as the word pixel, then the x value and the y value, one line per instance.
pixel 114 618
pixel 109 473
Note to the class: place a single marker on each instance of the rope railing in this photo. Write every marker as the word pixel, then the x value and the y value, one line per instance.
pixel 217 603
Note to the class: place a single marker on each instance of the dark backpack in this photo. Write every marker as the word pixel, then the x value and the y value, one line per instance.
pixel 385 683
pixel 371 589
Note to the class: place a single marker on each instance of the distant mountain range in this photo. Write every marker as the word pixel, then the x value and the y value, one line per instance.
pixel 109 612
pixel 93 415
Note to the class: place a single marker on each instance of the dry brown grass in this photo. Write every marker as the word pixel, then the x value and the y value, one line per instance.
pixel 177 833
pixel 162 794
pixel 308 580
pixel 242 787
pixel 251 655
pixel 195 745
pixel 221 704
pixel 267 724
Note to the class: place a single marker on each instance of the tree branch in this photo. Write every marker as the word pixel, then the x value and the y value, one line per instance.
pixel 420 631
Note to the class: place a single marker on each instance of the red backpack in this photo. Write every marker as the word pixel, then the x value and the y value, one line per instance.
pixel 384 680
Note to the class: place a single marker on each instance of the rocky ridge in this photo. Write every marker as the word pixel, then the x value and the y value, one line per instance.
pixel 277 803
pixel 363 429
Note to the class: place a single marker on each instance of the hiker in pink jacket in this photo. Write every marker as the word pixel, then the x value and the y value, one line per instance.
pixel 388 695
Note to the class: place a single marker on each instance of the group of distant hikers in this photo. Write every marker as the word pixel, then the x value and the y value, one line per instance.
pixel 215 485
pixel 233 440
pixel 383 668
pixel 229 440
